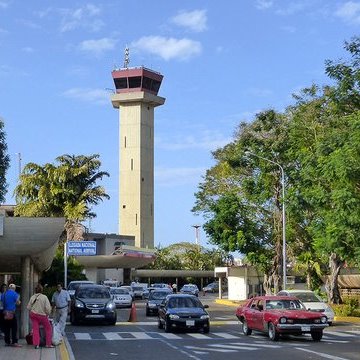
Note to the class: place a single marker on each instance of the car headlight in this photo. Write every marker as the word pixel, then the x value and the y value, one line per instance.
pixel 323 319
pixel 174 317
pixel 282 320
pixel 110 305
pixel 204 317
pixel 79 304
pixel 151 305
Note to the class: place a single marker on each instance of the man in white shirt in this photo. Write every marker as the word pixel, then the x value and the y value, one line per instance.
pixel 61 302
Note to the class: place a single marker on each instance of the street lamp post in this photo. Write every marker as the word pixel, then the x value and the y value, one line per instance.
pixel 283 213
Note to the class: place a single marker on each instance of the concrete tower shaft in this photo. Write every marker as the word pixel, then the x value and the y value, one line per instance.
pixel 136 133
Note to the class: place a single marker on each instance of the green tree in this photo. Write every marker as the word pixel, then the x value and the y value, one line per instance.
pixel 4 162
pixel 68 188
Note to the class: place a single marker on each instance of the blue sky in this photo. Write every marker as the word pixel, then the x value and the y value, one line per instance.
pixel 222 63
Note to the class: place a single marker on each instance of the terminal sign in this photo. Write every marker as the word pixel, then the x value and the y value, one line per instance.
pixel 81 248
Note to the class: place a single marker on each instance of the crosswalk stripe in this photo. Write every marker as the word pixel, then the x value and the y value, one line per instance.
pixel 169 336
pixel 207 349
pixel 199 336
pixel 237 347
pixel 82 336
pixel 258 345
pixel 340 334
pixel 226 335
pixel 140 335
pixel 112 336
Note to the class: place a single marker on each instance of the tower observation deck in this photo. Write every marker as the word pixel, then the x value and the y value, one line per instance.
pixel 136 97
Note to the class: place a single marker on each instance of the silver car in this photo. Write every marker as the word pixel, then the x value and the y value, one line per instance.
pixel 121 297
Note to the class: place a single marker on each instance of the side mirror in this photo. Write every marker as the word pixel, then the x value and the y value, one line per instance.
pixel 206 306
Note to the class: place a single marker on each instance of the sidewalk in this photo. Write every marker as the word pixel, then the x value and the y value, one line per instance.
pixel 28 352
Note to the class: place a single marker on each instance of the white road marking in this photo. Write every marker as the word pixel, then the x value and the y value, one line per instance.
pixel 207 349
pixel 340 334
pixel 141 335
pixel 225 335
pixel 82 336
pixel 259 345
pixel 112 336
pixel 326 356
pixel 199 336
pixel 169 336
pixel 235 347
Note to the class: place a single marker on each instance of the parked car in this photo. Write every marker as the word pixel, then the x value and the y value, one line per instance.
pixel 182 311
pixel 92 302
pixel 311 301
pixel 277 315
pixel 73 285
pixel 155 299
pixel 139 292
pixel 212 287
pixel 129 289
pixel 121 297
pixel 190 289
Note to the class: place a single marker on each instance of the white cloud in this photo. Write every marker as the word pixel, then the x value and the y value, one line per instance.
pixel 178 176
pixel 4 4
pixel 168 48
pixel 97 96
pixel 84 17
pixel 193 20
pixel 263 4
pixel 349 12
pixel 98 46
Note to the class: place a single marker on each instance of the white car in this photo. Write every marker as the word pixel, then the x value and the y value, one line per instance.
pixel 311 301
pixel 121 297
pixel 73 285
pixel 129 289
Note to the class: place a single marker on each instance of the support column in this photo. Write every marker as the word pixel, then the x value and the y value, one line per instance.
pixel 25 296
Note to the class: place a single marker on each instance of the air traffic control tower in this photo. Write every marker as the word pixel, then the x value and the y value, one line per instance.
pixel 136 97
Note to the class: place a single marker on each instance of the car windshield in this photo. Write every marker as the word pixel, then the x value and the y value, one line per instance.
pixel 119 291
pixel 188 288
pixel 93 293
pixel 284 304
pixel 137 288
pixel 306 297
pixel 158 295
pixel 184 303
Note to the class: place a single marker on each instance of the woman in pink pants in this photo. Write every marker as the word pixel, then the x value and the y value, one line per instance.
pixel 40 309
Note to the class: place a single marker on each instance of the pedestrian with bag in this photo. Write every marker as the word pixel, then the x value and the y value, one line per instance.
pixel 40 309
pixel 10 298
pixel 2 328
pixel 61 303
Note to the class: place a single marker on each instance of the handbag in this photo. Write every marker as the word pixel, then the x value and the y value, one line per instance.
pixel 29 338
pixel 8 315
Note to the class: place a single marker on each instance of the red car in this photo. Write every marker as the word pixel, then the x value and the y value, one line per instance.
pixel 277 315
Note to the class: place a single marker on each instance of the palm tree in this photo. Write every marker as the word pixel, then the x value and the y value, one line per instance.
pixel 68 189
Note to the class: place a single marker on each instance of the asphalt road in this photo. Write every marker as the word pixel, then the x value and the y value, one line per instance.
pixel 142 340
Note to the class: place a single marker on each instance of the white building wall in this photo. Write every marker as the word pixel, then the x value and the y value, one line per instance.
pixel 237 288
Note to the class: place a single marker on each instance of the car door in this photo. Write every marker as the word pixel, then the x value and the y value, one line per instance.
pixel 258 315
pixel 249 313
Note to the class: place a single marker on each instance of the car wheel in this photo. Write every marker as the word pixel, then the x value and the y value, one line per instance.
pixel 206 329
pixel 330 323
pixel 147 312
pixel 167 326
pixel 273 335
pixel 160 325
pixel 245 328
pixel 317 335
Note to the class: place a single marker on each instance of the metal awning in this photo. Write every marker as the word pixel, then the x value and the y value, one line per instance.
pixel 29 236
pixel 125 257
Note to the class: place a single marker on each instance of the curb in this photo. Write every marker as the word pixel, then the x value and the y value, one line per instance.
pixel 236 303
pixel 64 352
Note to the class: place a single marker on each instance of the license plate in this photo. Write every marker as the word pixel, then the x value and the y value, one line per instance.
pixel 190 322
pixel 305 328
pixel 94 311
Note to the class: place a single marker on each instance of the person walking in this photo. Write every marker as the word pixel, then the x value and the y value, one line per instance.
pixel 10 298
pixel 40 309
pixel 61 303
pixel 2 328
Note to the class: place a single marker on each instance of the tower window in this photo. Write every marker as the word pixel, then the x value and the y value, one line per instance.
pixel 124 141
pixel 135 219
pixel 124 206
pixel 132 164
pixel 134 82
pixel 121 83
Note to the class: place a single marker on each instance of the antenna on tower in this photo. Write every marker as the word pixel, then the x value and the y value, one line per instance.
pixel 126 57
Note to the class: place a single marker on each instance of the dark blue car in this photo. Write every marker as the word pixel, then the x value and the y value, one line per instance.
pixel 182 311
